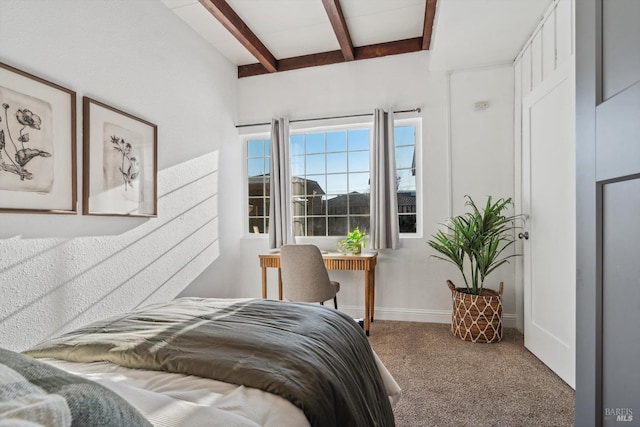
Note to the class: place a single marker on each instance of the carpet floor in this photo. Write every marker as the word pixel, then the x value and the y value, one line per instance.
pixel 449 382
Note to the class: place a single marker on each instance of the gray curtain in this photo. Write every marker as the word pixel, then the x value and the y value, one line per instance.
pixel 280 218
pixel 383 230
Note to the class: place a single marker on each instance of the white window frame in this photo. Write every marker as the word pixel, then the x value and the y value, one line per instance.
pixel 327 126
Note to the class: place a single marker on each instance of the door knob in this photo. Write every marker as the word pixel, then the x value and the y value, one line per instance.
pixel 524 235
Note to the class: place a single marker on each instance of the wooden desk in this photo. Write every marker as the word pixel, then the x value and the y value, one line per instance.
pixel 334 261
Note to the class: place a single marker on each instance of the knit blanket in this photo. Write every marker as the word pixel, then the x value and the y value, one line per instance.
pixel 35 393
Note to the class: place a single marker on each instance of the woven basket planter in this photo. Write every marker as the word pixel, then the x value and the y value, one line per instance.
pixel 476 318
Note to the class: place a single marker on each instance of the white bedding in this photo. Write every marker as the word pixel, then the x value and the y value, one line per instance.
pixel 178 400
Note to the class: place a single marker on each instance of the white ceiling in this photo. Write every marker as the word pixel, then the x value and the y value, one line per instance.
pixel 466 33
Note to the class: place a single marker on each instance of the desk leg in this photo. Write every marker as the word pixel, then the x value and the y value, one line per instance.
pixel 367 300
pixel 279 284
pixel 372 295
pixel 264 282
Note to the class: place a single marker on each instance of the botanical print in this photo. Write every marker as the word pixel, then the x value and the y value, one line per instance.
pixel 26 143
pixel 122 160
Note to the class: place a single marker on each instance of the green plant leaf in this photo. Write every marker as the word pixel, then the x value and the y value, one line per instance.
pixel 476 241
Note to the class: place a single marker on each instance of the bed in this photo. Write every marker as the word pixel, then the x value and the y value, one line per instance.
pixel 222 362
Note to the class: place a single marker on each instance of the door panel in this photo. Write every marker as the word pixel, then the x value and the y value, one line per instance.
pixel 617 146
pixel 621 299
pixel 620 53
pixel 549 202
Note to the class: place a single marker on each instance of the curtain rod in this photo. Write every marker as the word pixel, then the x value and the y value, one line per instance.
pixel 414 110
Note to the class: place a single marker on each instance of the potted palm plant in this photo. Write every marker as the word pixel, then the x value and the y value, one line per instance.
pixel 476 243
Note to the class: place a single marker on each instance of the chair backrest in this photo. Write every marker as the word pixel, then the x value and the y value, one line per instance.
pixel 304 275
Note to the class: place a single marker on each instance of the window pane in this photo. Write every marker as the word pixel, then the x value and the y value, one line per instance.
pixel 297 144
pixel 316 184
pixel 298 185
pixel 256 225
pixel 359 204
pixel 407 223
pixel 315 143
pixel 361 222
pixel 359 139
pixel 255 148
pixel 315 164
pixel 336 141
pixel 337 205
pixel 257 186
pixel 316 226
pixel 297 165
pixel 405 157
pixel 406 203
pixel 358 161
pixel 255 166
pixel 267 165
pixel 267 148
pixel 336 162
pixel 299 206
pixel 406 180
pixel 256 206
pixel 405 135
pixel 359 182
pixel 338 226
pixel 299 226
pixel 311 205
pixel 337 184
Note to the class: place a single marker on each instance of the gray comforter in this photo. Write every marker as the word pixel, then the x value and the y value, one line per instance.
pixel 35 393
pixel 316 357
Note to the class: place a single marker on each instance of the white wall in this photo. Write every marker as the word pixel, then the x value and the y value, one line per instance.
pixel 60 271
pixel 410 284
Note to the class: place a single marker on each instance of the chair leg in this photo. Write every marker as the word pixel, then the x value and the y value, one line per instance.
pixel 335 302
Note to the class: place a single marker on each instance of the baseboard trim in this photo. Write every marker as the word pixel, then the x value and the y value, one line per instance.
pixel 416 315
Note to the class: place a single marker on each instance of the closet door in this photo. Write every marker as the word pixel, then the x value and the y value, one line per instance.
pixel 608 206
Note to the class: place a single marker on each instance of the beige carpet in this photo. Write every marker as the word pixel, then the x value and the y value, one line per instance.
pixel 450 382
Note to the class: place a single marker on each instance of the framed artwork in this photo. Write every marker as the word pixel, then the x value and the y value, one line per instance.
pixel 120 162
pixel 37 144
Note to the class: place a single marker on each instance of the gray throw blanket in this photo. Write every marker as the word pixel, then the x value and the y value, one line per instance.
pixel 316 357
pixel 35 392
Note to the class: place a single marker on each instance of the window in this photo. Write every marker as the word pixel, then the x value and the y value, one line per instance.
pixel 330 174
pixel 330 180
pixel 258 159
pixel 405 140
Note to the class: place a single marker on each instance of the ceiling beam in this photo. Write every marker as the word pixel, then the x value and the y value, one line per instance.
pixel 221 10
pixel 334 11
pixel 336 56
pixel 429 16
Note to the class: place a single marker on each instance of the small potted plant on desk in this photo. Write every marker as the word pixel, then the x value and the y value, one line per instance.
pixel 354 242
pixel 475 243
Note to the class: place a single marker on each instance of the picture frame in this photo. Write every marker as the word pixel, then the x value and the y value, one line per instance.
pixel 120 153
pixel 37 144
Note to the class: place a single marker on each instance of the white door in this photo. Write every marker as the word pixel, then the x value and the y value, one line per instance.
pixel 548 201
